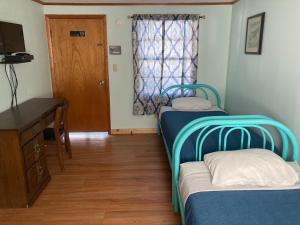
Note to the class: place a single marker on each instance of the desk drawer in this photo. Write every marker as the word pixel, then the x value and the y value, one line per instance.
pixel 36 176
pixel 34 150
pixel 30 133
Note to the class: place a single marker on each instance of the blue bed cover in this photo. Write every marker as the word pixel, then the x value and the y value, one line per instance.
pixel 173 121
pixel 280 207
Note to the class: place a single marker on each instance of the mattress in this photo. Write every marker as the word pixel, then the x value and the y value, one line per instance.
pixel 170 108
pixel 172 122
pixel 206 204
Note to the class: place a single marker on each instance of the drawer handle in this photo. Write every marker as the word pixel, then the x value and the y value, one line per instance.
pixel 41 171
pixel 37 148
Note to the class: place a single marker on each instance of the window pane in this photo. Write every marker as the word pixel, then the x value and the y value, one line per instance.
pixel 150 68
pixel 174 39
pixel 150 50
pixel 172 68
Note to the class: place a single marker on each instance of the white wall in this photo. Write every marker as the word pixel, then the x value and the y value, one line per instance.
pixel 213 52
pixel 34 77
pixel 268 84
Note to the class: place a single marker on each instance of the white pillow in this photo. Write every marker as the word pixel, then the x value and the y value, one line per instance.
pixel 191 103
pixel 251 167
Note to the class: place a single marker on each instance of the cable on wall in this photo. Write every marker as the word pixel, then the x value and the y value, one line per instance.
pixel 12 78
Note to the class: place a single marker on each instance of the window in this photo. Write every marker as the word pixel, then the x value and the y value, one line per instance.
pixel 165 53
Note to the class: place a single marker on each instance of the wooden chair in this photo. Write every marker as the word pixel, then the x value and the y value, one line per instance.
pixel 59 134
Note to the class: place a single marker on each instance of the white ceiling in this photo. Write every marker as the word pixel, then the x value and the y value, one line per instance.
pixel 135 1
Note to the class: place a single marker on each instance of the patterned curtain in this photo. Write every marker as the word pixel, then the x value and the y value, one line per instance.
pixel 165 53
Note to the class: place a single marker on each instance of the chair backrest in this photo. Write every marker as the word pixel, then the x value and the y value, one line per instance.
pixel 60 122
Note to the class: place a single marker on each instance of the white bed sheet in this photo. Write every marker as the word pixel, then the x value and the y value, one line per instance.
pixel 169 108
pixel 195 177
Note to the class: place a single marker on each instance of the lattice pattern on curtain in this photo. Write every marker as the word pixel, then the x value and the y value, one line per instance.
pixel 165 53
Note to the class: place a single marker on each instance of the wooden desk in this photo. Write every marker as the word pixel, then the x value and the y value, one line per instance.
pixel 23 161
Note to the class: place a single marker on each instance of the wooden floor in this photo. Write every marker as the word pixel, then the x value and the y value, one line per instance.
pixel 111 180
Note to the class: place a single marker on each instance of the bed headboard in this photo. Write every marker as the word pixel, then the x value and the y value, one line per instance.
pixel 261 123
pixel 242 123
pixel 227 124
pixel 189 90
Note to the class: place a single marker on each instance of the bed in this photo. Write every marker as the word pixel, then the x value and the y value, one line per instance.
pixel 171 122
pixel 201 203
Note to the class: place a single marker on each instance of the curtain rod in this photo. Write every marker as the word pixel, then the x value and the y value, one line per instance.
pixel 201 17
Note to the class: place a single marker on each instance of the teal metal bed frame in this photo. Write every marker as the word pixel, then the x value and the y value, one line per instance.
pixel 232 123
pixel 204 88
pixel 261 123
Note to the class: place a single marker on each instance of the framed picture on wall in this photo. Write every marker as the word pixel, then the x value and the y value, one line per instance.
pixel 254 34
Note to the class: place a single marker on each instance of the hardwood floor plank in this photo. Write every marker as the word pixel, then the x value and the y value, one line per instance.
pixel 112 180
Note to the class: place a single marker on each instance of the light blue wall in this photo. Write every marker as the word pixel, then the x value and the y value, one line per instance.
pixel 213 52
pixel 34 77
pixel 268 84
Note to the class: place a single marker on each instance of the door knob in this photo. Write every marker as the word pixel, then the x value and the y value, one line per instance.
pixel 102 82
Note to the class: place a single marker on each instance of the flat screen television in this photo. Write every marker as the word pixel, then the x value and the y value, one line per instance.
pixel 11 38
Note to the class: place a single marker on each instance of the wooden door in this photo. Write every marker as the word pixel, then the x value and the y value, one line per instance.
pixel 78 52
